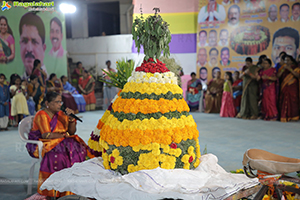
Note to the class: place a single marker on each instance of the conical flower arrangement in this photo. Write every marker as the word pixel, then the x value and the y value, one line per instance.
pixel 149 124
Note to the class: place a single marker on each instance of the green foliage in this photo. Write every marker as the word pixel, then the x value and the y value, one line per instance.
pixel 119 79
pixel 173 67
pixel 153 33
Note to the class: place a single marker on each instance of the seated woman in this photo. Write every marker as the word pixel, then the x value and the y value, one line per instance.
pixel 36 91
pixel 213 97
pixel 62 148
pixel 86 85
pixel 79 99
pixel 194 88
pixel 37 70
pixel 55 84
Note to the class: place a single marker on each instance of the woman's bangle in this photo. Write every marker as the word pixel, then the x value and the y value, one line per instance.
pixel 48 135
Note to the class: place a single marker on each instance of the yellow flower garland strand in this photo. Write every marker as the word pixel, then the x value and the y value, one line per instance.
pixel 149 88
pixel 150 124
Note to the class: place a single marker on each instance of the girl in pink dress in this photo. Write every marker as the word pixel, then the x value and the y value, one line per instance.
pixel 227 108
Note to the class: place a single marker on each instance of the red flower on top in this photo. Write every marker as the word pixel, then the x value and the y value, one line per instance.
pixel 152 67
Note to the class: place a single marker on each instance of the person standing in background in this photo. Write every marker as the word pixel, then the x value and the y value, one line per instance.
pixel 109 92
pixel 4 103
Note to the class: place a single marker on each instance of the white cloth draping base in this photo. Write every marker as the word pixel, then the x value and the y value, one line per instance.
pixel 208 181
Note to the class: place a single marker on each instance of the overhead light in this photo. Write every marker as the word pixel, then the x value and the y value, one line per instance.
pixel 67 8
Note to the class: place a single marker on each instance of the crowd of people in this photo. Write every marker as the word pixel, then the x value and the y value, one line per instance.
pixel 260 91
pixel 21 97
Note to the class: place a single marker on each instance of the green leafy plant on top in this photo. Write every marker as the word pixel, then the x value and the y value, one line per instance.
pixel 153 34
pixel 119 79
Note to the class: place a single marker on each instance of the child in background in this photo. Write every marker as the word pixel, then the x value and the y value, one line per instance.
pixel 227 108
pixel 18 104
pixel 4 103
pixel 30 102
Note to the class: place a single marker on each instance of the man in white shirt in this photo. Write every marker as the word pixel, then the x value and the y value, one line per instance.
pixel 56 37
pixel 212 38
pixel 211 12
pixel 213 57
pixel 202 57
pixel 295 12
pixel 234 16
pixel 272 13
pixel 223 38
pixel 284 12
pixel 32 42
pixel 202 39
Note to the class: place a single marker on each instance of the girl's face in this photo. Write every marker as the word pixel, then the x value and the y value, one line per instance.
pixel 3 26
pixel 288 61
pixel 34 81
pixel 265 64
pixel 2 79
pixel 65 79
pixel 18 81
pixel 226 77
pixel 24 83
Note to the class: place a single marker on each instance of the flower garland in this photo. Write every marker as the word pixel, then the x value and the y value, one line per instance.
pixel 149 106
pixel 143 77
pixel 137 95
pixel 135 137
pixel 149 88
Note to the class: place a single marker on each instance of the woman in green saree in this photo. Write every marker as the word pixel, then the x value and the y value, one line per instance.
pixel 7 42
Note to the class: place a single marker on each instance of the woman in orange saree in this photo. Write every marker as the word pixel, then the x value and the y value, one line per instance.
pixel 61 147
pixel 289 90
pixel 213 97
pixel 86 85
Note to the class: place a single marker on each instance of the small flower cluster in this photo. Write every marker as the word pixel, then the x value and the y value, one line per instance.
pixel 143 77
pixel 152 67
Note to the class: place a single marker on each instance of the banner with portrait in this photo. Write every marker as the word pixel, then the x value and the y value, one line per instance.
pixel 26 36
pixel 231 30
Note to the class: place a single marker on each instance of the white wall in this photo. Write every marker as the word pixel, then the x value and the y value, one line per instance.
pixel 95 51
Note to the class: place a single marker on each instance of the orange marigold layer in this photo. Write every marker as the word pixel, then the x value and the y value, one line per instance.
pixel 149 106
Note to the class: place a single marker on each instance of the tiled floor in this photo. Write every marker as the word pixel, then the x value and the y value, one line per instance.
pixel 227 138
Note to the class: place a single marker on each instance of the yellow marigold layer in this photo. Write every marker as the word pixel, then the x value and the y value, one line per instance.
pixel 103 119
pixel 135 137
pixel 149 106
pixel 150 124
pixel 149 88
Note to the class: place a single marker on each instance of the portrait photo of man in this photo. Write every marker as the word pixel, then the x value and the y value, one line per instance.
pixel 285 40
pixel 202 39
pixel 203 74
pixel 211 12
pixel 223 38
pixel 213 57
pixel 214 72
pixel 202 57
pixel 272 13
pixel 56 37
pixel 284 12
pixel 32 42
pixel 234 16
pixel 213 38
pixel 225 57
pixel 295 12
